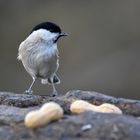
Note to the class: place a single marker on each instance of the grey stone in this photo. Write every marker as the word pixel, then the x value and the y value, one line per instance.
pixel 84 126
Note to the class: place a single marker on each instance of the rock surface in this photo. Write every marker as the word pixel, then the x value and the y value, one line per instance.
pixel 84 126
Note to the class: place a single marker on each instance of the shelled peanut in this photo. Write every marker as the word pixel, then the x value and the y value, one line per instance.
pixel 47 113
pixel 81 106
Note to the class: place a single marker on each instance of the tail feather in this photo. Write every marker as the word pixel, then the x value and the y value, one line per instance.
pixel 44 81
pixel 56 80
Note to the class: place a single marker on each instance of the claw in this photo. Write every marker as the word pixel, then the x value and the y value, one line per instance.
pixel 29 92
pixel 54 93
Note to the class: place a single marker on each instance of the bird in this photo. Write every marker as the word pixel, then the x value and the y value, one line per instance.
pixel 40 56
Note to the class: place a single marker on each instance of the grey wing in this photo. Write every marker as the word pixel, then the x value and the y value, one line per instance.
pixel 26 53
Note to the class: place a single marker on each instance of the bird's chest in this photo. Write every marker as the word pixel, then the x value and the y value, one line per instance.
pixel 46 53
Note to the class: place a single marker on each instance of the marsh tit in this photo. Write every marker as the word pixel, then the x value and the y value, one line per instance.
pixel 39 54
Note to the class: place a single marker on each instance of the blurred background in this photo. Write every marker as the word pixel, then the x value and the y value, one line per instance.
pixel 101 53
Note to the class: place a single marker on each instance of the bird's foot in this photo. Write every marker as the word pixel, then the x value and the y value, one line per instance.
pixel 29 92
pixel 54 93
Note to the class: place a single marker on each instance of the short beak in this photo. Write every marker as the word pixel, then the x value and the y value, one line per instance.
pixel 63 34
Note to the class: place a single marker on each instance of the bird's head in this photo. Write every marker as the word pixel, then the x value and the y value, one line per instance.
pixel 50 30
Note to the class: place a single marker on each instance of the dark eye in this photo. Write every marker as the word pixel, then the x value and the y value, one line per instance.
pixel 51 30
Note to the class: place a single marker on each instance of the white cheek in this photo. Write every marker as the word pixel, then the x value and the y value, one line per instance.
pixel 45 35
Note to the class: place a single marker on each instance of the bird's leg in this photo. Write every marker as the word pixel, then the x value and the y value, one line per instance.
pixel 29 91
pixel 54 91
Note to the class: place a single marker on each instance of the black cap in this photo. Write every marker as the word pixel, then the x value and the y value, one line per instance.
pixel 52 27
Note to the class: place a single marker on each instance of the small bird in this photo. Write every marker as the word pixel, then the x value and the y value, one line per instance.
pixel 39 54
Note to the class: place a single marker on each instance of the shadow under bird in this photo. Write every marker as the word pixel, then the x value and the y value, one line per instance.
pixel 40 56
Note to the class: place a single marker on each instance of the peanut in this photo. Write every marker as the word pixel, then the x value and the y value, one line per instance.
pixel 47 113
pixel 81 106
